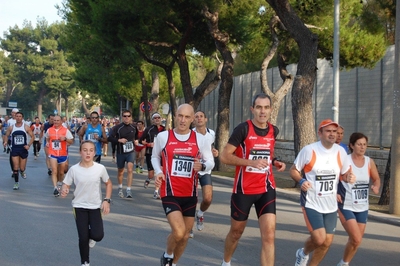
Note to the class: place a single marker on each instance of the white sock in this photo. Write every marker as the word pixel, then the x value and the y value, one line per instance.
pixel 225 263
pixel 119 185
pixel 173 264
pixel 128 188
pixel 343 263
pixel 200 213
pixel 166 255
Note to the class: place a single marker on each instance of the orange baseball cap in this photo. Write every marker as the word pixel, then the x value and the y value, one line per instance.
pixel 327 122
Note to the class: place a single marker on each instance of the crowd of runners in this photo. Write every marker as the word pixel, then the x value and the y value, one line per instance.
pixel 179 160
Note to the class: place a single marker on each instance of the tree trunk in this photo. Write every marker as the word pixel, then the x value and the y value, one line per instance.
pixel 209 83
pixel 10 87
pixel 87 112
pixel 225 89
pixel 42 92
pixel 155 91
pixel 144 97
pixel 303 120
pixel 67 108
pixel 286 77
pixel 385 194
pixel 172 97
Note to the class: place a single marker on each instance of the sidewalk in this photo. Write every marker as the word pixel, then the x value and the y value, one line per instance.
pixel 294 196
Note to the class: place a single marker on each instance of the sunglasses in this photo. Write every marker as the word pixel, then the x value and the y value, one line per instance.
pixel 126 116
pixel 94 117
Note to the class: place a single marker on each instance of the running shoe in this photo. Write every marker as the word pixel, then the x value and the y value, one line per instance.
pixel 49 172
pixel 166 261
pixel 141 170
pixel 120 193
pixel 92 243
pixel 137 170
pixel 56 192
pixel 113 160
pixel 156 195
pixel 16 186
pixel 146 183
pixel 128 194
pixel 23 174
pixel 191 235
pixel 342 264
pixel 300 259
pixel 35 157
pixel 85 264
pixel 199 221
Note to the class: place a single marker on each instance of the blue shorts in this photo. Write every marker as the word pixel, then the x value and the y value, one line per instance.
pixel 360 217
pixel 316 220
pixel 205 180
pixel 60 159
pixel 21 152
pixel 125 157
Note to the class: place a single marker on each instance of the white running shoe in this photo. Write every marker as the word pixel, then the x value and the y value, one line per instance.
pixel 300 259
pixel 92 243
pixel 120 193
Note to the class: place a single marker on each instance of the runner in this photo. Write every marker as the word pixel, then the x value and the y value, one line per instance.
pixel 94 132
pixel 57 140
pixel 87 202
pixel 200 121
pixel 19 133
pixel 147 139
pixel 251 149
pixel 140 149
pixel 125 135
pixel 322 163
pixel 353 199
pixel 177 179
pixel 45 127
pixel 36 129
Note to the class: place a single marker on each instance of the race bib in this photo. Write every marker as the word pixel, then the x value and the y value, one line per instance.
pixel 128 146
pixel 182 166
pixel 56 145
pixel 19 140
pixel 92 137
pixel 37 137
pixel 258 154
pixel 360 193
pixel 324 185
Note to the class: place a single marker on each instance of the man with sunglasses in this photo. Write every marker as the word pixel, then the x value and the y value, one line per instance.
pixel 94 132
pixel 147 139
pixel 125 135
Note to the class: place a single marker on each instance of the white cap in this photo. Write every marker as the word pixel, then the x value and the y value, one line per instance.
pixel 15 110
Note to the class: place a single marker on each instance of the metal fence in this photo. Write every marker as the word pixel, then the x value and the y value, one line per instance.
pixel 365 105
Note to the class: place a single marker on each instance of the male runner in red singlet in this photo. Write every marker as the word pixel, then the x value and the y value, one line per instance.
pixel 182 154
pixel 251 149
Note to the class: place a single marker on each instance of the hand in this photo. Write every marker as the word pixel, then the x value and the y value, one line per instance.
pixel 64 191
pixel 197 165
pixel 375 189
pixel 339 198
pixel 280 165
pixel 105 207
pixel 122 140
pixel 215 152
pixel 305 186
pixel 159 179
pixel 259 163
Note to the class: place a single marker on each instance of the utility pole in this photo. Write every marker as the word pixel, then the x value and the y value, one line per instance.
pixel 336 62
pixel 394 205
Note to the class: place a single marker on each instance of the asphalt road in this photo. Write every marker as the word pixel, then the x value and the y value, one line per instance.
pixel 38 229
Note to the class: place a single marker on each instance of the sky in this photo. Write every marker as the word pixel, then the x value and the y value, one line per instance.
pixel 14 12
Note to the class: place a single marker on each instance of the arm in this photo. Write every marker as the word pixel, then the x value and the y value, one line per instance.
pixel 30 133
pixel 82 132
pixel 375 177
pixel 103 135
pixel 297 177
pixel 228 157
pixel 5 137
pixel 105 206
pixel 64 190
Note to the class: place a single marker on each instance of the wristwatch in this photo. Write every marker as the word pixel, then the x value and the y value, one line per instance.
pixel 107 199
pixel 203 167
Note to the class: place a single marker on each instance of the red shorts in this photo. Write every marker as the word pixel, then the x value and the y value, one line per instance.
pixel 139 148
